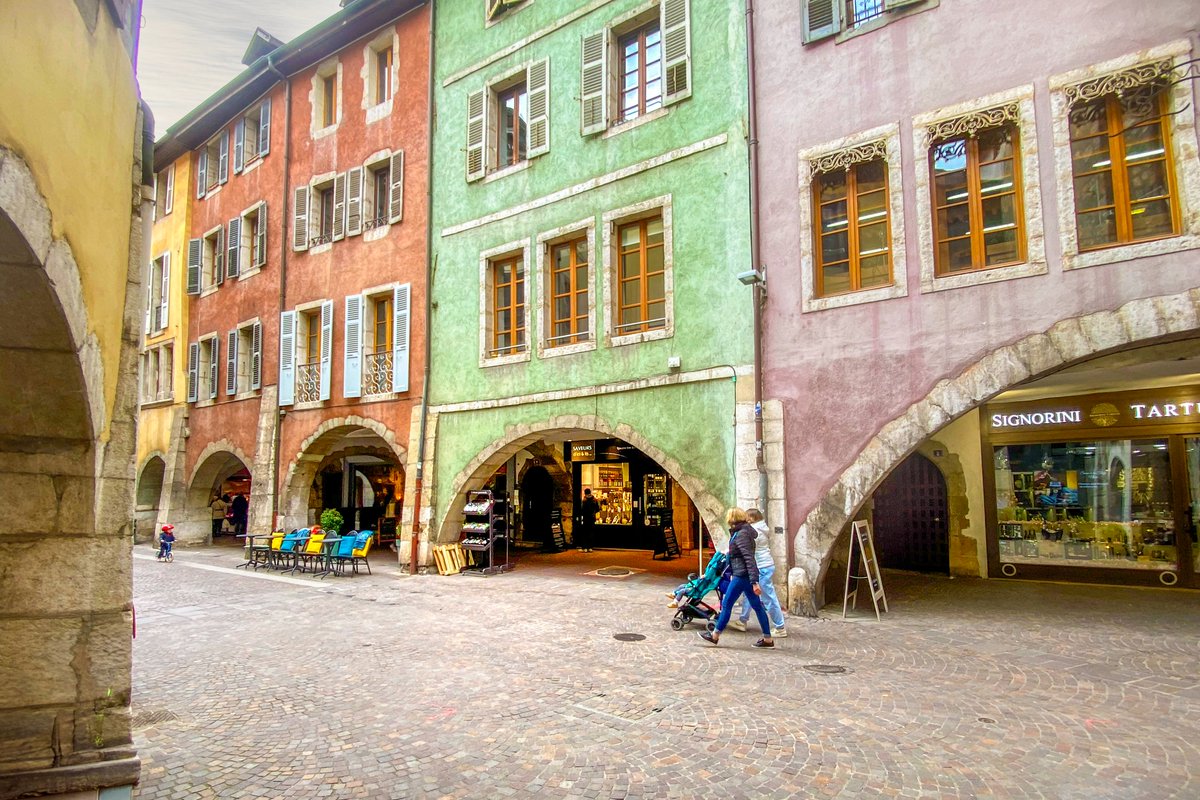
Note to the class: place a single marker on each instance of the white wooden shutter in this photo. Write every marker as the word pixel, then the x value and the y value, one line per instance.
pixel 300 219
pixel 264 128
pixel 396 190
pixel 223 167
pixel 822 19
pixel 212 367
pixel 339 206
pixel 256 356
pixel 239 144
pixel 231 363
pixel 149 298
pixel 193 372
pixel 593 88
pixel 675 24
pixel 537 83
pixel 287 358
pixel 326 347
pixel 352 366
pixel 400 315
pixel 354 193
pixel 234 248
pixel 202 172
pixel 262 235
pixel 476 126
pixel 195 263
pixel 164 303
pixel 219 256
pixel 170 201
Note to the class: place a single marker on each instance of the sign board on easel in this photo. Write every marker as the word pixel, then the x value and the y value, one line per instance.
pixel 868 565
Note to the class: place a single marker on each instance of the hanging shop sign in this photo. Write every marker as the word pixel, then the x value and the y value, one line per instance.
pixel 1133 409
pixel 583 451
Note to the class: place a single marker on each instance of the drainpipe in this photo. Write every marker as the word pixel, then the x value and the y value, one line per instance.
pixel 430 267
pixel 283 260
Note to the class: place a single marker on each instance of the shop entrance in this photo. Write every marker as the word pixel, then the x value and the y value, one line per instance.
pixel 911 518
pixel 366 489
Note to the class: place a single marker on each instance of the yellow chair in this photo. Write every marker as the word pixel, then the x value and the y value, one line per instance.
pixel 362 546
pixel 312 552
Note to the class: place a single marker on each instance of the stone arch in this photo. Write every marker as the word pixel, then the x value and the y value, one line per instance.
pixel 217 461
pixel 1071 341
pixel 518 437
pixel 148 496
pixel 323 441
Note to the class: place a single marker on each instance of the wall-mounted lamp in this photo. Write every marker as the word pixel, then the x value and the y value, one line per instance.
pixel 751 277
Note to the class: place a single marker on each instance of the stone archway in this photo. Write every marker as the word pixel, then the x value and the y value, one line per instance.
pixel 327 438
pixel 148 497
pixel 217 462
pixel 1070 341
pixel 521 436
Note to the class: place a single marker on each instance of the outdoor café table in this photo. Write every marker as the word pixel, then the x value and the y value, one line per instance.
pixel 328 548
pixel 250 537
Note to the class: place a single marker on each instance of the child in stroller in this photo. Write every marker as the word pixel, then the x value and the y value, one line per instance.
pixel 690 596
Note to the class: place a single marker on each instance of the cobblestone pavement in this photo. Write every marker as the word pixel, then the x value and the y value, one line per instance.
pixel 513 686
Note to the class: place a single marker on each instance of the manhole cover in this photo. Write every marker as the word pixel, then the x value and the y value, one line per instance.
pixel 825 669
pixel 614 571
pixel 628 637
pixel 987 720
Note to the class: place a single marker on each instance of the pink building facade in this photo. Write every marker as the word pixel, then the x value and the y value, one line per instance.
pixel 981 228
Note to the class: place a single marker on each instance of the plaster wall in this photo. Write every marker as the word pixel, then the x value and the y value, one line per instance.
pixel 170 234
pixel 962 465
pixel 846 371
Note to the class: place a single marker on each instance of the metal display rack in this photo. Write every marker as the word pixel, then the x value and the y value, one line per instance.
pixel 481 529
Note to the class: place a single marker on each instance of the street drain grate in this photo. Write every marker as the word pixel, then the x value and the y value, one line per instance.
pixel 825 669
pixel 628 637
pixel 144 719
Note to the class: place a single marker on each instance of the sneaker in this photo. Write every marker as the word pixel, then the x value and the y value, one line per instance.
pixel 707 636
pixel 778 633
pixel 671 595
pixel 672 604
pixel 737 625
pixel 762 643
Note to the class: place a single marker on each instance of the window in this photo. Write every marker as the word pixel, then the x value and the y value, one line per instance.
pixel 508 306
pixel 508 122
pixel 860 12
pixel 376 358
pixel 251 245
pixel 381 181
pixel 977 201
pixel 305 353
pixel 212 164
pixel 641 272
pixel 164 191
pixel 1121 163
pixel 326 97
pixel 158 373
pixel 252 136
pixel 383 75
pixel 328 100
pixel 323 212
pixel 202 369
pixel 852 245
pixel 158 293
pixel 569 296
pixel 637 65
pixel 243 359
pixel 308 362
pixel 213 259
pixel 495 9
pixel 825 18
pixel 377 375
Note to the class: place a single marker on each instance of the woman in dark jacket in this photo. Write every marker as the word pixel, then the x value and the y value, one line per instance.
pixel 744 581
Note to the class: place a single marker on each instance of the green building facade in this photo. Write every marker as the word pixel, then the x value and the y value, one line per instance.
pixel 590 214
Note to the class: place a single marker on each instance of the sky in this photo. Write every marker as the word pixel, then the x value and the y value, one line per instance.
pixel 191 48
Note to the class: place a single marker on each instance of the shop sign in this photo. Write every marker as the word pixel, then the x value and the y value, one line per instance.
pixel 583 451
pixel 1138 408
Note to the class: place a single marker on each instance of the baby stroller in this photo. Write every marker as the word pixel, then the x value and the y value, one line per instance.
pixel 691 603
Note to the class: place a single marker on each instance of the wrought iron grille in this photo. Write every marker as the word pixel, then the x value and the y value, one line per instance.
pixel 377 222
pixel 378 374
pixel 319 240
pixel 859 12
pixel 308 382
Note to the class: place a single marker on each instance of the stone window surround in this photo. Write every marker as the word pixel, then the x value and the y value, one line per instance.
pixel 322 182
pixel 304 318
pixel 379 157
pixel 246 256
pixel 1184 155
pixel 377 111
pixel 154 284
pixel 1035 242
pixel 204 392
pixel 159 351
pixel 207 285
pixel 316 101
pixel 544 241
pixel 632 213
pixel 485 303
pixel 613 31
pixel 499 82
pixel 369 295
pixel 890 136
pixel 247 393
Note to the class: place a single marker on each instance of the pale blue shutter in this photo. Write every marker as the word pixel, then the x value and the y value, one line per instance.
pixel 396 190
pixel 223 167
pixel 326 347
pixel 256 356
pixel 400 322
pixel 300 219
pixel 287 358
pixel 193 372
pixel 352 365
pixel 213 367
pixel 202 172
pixel 262 235
pixel 219 256
pixel 164 306
pixel 822 19
pixel 339 206
pixel 354 193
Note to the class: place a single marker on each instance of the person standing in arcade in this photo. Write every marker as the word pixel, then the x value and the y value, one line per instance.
pixel 587 521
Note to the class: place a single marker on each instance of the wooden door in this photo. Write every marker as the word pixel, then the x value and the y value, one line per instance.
pixel 911 519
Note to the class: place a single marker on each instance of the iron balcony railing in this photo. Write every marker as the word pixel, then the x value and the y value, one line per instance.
pixel 308 382
pixel 377 375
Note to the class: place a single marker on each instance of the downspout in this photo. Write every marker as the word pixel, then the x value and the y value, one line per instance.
pixel 283 260
pixel 430 265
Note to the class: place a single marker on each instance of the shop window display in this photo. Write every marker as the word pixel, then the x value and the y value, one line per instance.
pixel 1092 504
pixel 610 484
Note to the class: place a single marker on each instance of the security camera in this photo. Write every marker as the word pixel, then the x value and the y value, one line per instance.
pixel 751 277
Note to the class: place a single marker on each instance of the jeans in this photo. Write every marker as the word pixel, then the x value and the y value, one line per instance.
pixel 769 599
pixel 737 588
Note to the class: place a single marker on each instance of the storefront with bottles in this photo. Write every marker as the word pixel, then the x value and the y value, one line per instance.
pixel 1099 488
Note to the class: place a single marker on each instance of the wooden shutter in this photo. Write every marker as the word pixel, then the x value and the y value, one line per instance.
pixel 223 166
pixel 352 366
pixel 400 316
pixel 202 172
pixel 300 219
pixel 326 347
pixel 537 84
pixel 195 263
pixel 164 303
pixel 476 127
pixel 675 24
pixel 287 358
pixel 396 190
pixel 262 235
pixel 234 248
pixel 339 206
pixel 219 256
pixel 170 201
pixel 212 367
pixel 593 88
pixel 193 372
pixel 264 128
pixel 354 193
pixel 239 144
pixel 822 19
pixel 256 356
pixel 231 363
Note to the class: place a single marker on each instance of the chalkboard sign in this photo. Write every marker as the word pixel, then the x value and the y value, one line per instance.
pixel 868 565
pixel 556 534
pixel 668 546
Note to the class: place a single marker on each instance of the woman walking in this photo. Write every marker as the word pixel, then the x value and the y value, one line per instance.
pixel 744 581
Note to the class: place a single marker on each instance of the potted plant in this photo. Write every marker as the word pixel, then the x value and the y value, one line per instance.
pixel 331 521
